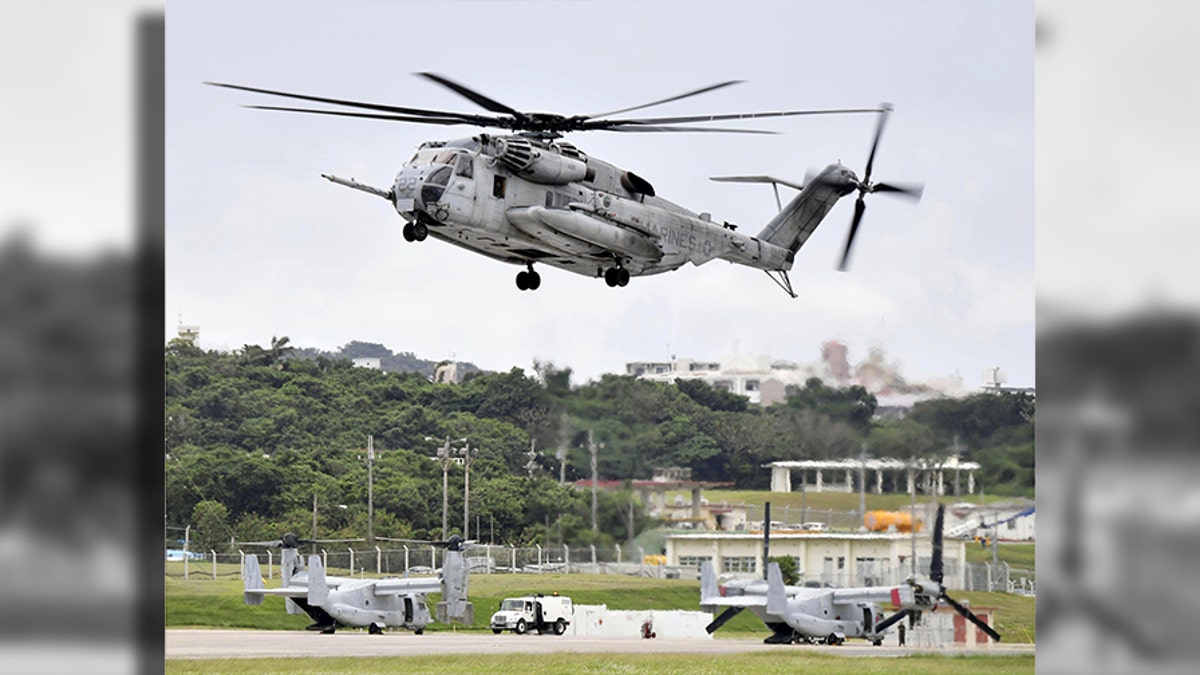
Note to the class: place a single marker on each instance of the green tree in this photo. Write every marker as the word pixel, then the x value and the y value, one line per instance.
pixel 211 530
pixel 787 569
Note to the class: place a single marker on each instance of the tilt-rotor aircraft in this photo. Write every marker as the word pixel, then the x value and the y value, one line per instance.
pixel 523 196
pixel 371 603
pixel 830 615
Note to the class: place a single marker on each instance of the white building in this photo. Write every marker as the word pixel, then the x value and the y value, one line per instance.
pixel 841 475
pixel 372 362
pixel 843 559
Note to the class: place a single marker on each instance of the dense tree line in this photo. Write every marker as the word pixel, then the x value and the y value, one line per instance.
pixel 254 436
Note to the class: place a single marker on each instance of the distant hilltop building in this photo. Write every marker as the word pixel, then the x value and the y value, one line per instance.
pixel 764 380
pixel 189 334
pixel 372 362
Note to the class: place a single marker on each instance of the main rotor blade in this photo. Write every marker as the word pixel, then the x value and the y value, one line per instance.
pixel 688 119
pixel 702 90
pixel 468 118
pixel 936 570
pixel 474 96
pixel 887 623
pixel 722 619
pixel 377 116
pixel 971 617
pixel 859 207
pixel 886 108
pixel 910 191
pixel 657 128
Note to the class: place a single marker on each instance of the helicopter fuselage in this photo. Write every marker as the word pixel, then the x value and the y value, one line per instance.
pixel 524 201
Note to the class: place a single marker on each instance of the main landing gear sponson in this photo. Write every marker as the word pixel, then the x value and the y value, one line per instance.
pixel 616 276
pixel 529 280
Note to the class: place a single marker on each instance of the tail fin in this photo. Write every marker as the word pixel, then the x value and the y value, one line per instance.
pixel 318 590
pixel 252 575
pixel 776 592
pixel 289 564
pixel 455 579
pixel 792 226
pixel 709 587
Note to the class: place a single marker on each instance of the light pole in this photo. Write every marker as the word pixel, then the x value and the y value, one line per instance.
pixel 444 458
pixel 468 454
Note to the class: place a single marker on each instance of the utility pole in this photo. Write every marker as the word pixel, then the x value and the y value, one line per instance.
pixel 592 448
pixel 912 482
pixel 862 486
pixel 314 518
pixel 468 455
pixel 443 458
pixel 370 490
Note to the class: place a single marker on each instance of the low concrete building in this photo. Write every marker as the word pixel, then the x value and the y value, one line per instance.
pixel 843 559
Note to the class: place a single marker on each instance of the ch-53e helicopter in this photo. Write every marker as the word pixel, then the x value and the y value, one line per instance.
pixel 371 603
pixel 527 197
pixel 830 615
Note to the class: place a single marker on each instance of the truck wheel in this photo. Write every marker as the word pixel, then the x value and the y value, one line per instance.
pixel 520 629
pixel 560 627
pixel 495 631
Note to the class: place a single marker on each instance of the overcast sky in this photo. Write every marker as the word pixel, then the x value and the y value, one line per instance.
pixel 258 245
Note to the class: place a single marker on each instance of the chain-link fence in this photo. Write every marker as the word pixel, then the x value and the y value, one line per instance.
pixel 1000 577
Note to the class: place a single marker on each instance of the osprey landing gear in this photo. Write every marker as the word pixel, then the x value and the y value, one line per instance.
pixel 529 280
pixel 417 231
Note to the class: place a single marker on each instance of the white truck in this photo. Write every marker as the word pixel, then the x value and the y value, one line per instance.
pixel 534 612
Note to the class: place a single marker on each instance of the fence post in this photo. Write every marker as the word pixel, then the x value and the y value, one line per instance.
pixel 214 555
pixel 405 559
pixel 242 565
pixel 325 558
pixel 488 548
pixel 593 546
pixel 270 560
pixel 566 560
pixel 378 561
pixel 618 554
pixel 539 548
pixel 433 557
pixel 988 567
pixel 514 559
pixel 348 548
pixel 642 558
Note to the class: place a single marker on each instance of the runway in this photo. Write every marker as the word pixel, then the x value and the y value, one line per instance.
pixel 212 644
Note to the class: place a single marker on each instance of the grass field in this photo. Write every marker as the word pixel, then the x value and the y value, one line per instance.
pixel 207 603
pixel 1016 555
pixel 784 661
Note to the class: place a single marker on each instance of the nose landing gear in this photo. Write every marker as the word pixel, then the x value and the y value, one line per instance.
pixel 528 280
pixel 417 231
pixel 616 276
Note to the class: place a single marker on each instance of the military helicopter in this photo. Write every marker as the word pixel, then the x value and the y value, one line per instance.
pixel 801 614
pixel 526 197
pixel 372 603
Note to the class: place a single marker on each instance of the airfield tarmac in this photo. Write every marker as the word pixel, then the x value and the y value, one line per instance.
pixel 211 644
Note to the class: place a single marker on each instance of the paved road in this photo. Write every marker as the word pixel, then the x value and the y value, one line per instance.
pixel 202 644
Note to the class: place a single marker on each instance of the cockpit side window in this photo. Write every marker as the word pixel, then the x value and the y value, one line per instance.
pixel 498 187
pixel 463 166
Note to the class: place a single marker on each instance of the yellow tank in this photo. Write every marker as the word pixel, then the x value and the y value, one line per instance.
pixel 882 521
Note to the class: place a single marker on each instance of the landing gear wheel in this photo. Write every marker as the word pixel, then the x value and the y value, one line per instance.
pixel 833 640
pixel 523 281
pixel 612 276
pixel 419 631
pixel 622 276
pixel 420 231
pixel 877 643
pixel 328 630
pixel 534 280
pixel 520 629
pixel 374 630
pixel 560 627
pixel 408 232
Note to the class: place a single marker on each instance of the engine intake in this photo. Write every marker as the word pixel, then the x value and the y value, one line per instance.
pixel 540 165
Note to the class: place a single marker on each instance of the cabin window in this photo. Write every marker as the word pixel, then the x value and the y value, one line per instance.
pixel 549 199
pixel 445 157
pixel 498 187
pixel 463 166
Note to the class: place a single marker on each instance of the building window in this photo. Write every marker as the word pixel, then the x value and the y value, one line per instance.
pixel 841 562
pixel 694 560
pixel 498 187
pixel 746 563
pixel 751 385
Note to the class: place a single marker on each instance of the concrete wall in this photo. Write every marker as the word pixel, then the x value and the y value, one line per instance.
pixel 599 621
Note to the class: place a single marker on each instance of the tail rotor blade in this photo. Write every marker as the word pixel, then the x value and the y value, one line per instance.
pixel 886 108
pixel 971 617
pixel 859 208
pixel 936 569
pixel 901 190
pixel 722 619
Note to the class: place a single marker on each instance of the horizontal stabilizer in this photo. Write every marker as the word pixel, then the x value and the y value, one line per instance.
pixel 756 179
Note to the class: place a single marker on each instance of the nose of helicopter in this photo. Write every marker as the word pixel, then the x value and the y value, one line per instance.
pixel 419 187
